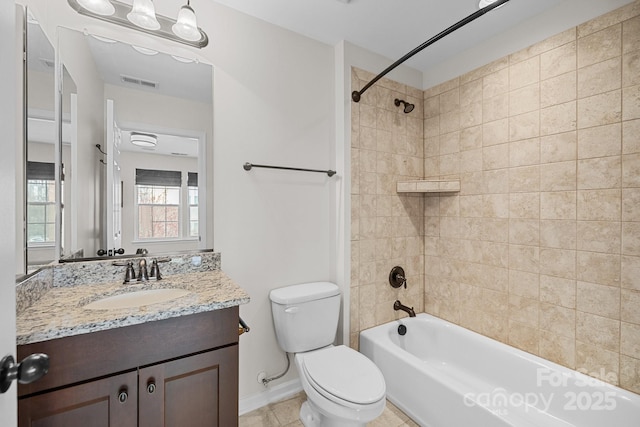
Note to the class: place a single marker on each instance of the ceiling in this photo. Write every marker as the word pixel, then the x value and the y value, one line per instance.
pixel 392 28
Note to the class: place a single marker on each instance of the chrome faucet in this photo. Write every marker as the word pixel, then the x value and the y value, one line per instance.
pixel 398 306
pixel 143 274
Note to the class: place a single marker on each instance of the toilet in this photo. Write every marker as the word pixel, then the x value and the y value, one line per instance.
pixel 343 387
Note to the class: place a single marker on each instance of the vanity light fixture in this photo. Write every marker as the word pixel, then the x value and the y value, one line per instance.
pixel 144 139
pixel 101 7
pixel 141 16
pixel 187 26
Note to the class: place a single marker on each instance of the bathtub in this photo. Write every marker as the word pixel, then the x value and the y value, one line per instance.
pixel 443 375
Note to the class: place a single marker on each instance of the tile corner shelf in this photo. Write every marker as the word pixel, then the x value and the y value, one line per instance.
pixel 428 186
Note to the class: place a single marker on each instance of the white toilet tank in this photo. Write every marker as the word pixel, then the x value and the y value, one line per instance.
pixel 305 316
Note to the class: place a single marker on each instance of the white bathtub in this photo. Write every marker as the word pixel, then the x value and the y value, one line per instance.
pixel 442 375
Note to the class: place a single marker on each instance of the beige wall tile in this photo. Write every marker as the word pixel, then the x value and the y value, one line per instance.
pixel 558 90
pixel 558 291
pixel 523 336
pixel 600 141
pixel 558 262
pixel 631 69
pixel 524 231
pixel 630 274
pixel 600 109
pixel 598 268
pixel 598 331
pixel 559 176
pixel 631 137
pixel 495 108
pixel 631 170
pixel 630 373
pixel 523 310
pixel 598 299
pixel 471 115
pixel 631 238
pixel 558 148
pixel 524 258
pixel 495 83
pixel 495 157
pixel 470 92
pixel 631 34
pixel 600 172
pixel 558 320
pixel 599 205
pixel 558 205
pixel 525 126
pixel 450 100
pixel 630 204
pixel 631 102
pixel 524 284
pixel 524 205
pixel 599 77
pixel 629 339
pixel 558 349
pixel 524 99
pixel 471 138
pixel 559 234
pixel 496 132
pixel 495 205
pixel 525 152
pixel 558 61
pixel 450 143
pixel 524 179
pixel 600 46
pixel 599 236
pixel 558 118
pixel 597 361
pixel 496 181
pixel 524 73
pixel 629 302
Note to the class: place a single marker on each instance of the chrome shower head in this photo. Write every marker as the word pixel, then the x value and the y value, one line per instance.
pixel 407 107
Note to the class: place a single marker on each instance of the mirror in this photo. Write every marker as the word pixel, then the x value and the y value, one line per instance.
pixel 137 172
pixel 36 213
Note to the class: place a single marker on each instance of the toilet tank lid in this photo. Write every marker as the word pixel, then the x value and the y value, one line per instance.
pixel 304 292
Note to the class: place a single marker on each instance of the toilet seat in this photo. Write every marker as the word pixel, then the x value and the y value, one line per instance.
pixel 344 376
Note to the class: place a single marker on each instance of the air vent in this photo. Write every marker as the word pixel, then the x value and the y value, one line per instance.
pixel 140 82
pixel 179 154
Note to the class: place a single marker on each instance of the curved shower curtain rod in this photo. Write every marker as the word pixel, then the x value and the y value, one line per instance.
pixel 355 95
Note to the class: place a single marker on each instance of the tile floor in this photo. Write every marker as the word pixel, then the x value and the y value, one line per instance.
pixel 285 414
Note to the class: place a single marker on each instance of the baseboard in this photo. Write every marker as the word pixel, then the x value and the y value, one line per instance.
pixel 270 395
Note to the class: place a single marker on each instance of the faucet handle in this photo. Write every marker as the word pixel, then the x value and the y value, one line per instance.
pixel 155 269
pixel 130 274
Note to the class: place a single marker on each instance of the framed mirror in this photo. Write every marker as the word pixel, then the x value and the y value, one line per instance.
pixel 37 203
pixel 135 179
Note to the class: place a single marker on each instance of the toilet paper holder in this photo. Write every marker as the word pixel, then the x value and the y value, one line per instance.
pixel 243 326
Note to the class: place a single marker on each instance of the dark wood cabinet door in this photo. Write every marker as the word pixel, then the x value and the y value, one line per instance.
pixel 195 391
pixel 99 403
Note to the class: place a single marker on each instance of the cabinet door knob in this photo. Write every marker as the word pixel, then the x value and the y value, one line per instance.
pixel 151 387
pixel 123 396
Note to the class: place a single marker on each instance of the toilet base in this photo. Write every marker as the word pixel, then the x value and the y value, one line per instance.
pixel 312 417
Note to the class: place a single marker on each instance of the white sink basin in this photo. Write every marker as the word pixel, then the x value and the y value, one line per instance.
pixel 136 299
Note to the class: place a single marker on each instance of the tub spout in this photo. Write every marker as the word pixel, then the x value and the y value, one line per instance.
pixel 398 306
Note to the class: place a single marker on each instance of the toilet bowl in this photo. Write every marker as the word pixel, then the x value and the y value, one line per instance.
pixel 343 387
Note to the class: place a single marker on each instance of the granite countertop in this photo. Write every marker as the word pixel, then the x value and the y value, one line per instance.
pixel 60 311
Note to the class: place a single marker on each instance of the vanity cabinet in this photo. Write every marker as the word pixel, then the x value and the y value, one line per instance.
pixel 177 372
